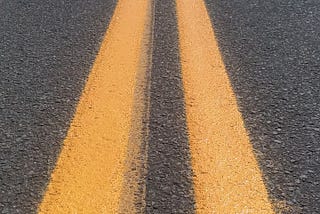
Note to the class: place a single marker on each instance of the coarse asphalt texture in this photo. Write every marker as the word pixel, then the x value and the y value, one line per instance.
pixel 272 53
pixel 169 175
pixel 47 49
pixel 271 50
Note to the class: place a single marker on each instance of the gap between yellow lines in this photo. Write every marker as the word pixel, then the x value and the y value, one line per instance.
pixel 89 174
pixel 227 176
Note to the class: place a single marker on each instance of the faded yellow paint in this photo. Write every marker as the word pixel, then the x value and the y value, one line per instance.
pixel 227 177
pixel 89 174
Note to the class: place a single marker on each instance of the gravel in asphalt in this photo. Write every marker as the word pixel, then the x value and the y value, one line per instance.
pixel 271 50
pixel 169 175
pixel 46 51
pixel 272 53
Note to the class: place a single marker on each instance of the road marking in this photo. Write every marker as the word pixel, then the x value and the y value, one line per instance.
pixel 89 174
pixel 227 176
pixel 134 185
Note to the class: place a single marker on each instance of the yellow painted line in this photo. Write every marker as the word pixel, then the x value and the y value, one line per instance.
pixel 134 185
pixel 89 174
pixel 227 177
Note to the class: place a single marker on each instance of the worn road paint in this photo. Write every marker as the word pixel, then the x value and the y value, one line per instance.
pixel 134 186
pixel 89 174
pixel 227 177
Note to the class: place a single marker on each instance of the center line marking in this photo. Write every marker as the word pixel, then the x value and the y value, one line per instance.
pixel 227 176
pixel 89 174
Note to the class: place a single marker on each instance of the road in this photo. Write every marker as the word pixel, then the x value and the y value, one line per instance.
pixel 178 106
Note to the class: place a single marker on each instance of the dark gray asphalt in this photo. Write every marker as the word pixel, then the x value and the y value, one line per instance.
pixel 272 52
pixel 169 174
pixel 46 51
pixel 271 49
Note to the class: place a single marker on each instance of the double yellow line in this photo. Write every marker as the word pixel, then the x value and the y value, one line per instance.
pixel 89 175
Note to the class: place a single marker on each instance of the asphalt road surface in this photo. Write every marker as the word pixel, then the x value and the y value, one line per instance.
pixel 272 51
pixel 178 106
pixel 168 152
pixel 46 51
